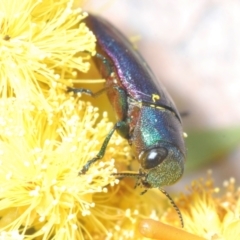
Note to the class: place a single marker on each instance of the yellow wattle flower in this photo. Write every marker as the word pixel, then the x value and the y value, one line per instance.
pixel 46 134
pixel 42 44
pixel 40 157
pixel 209 212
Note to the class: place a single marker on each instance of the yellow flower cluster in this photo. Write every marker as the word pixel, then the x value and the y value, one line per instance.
pixel 208 211
pixel 41 45
pixel 41 154
pixel 47 134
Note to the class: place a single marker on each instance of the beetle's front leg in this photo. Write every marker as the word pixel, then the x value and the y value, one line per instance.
pixel 117 126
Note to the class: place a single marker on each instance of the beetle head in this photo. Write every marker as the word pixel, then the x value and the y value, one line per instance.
pixel 163 164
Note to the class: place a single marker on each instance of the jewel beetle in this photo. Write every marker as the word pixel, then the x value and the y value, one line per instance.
pixel 146 115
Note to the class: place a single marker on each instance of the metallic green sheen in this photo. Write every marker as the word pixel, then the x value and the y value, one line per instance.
pixel 168 172
pixel 156 127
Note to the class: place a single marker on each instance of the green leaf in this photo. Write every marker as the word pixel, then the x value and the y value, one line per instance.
pixel 204 147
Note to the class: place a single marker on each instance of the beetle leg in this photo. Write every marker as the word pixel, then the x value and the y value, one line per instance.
pixel 103 148
pixel 106 71
pixel 105 65
pixel 87 91
pixel 143 192
pixel 137 184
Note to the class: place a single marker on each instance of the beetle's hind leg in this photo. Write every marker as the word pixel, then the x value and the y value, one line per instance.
pixel 80 90
pixel 87 91
pixel 106 69
pixel 104 64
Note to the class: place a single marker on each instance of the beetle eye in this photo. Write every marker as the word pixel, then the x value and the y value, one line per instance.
pixel 152 157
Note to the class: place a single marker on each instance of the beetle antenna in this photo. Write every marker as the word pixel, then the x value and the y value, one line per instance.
pixel 128 174
pixel 174 205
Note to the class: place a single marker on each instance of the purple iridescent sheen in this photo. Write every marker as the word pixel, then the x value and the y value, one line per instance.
pixel 135 74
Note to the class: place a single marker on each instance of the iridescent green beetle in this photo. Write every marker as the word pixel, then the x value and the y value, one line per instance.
pixel 146 114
